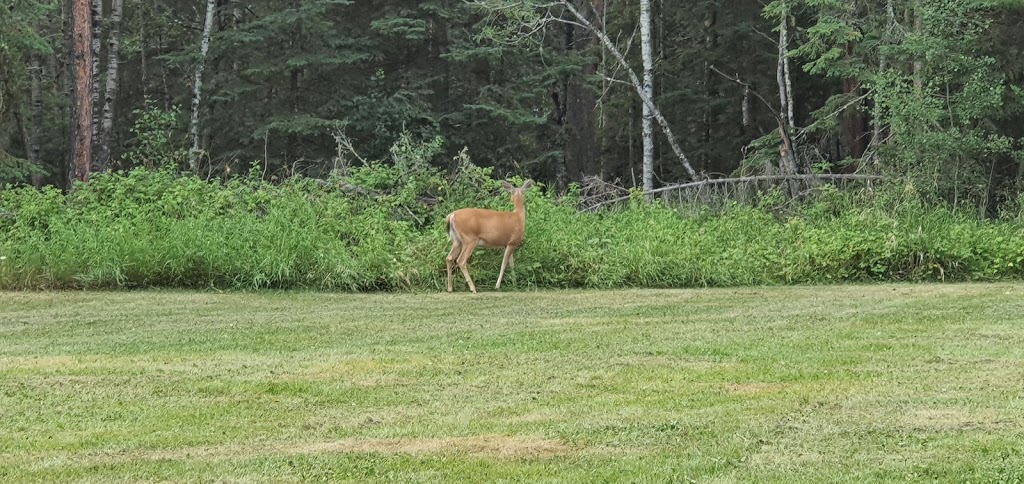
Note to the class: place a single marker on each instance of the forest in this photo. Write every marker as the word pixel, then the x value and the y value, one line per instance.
pixel 915 88
pixel 230 107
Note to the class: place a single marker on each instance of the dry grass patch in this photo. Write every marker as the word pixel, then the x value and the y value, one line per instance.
pixel 957 419
pixel 482 446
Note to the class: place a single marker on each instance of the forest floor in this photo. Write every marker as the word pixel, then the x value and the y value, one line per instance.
pixel 786 384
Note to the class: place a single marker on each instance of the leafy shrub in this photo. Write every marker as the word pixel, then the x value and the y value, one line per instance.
pixel 148 228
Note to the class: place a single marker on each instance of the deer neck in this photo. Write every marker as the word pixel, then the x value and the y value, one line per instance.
pixel 519 208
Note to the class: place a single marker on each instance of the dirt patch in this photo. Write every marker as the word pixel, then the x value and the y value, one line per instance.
pixel 482 446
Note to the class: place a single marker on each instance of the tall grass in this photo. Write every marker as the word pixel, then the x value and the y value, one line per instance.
pixel 154 229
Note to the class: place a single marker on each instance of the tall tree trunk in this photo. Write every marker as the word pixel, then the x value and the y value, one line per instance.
pixel 637 85
pixel 782 72
pixel 787 158
pixel 81 93
pixel 854 124
pixel 710 92
pixel 789 79
pixel 877 123
pixel 96 15
pixel 580 106
pixel 110 95
pixel 193 129
pixel 36 100
pixel 648 88
pixel 745 107
pixel 26 138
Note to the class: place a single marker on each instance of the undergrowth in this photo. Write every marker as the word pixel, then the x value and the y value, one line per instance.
pixel 381 228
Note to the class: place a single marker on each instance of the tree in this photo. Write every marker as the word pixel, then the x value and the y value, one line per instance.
pixel 537 23
pixel 22 46
pixel 81 94
pixel 96 42
pixel 197 89
pixel 648 94
pixel 106 132
pixel 942 118
pixel 555 90
pixel 580 99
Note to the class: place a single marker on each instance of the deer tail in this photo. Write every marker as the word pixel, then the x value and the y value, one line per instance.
pixel 449 226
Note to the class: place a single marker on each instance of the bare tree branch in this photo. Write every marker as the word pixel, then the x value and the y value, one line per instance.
pixel 637 85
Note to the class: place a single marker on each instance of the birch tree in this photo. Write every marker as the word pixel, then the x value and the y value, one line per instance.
pixel 110 93
pixel 637 85
pixel 785 81
pixel 533 24
pixel 197 89
pixel 96 18
pixel 787 158
pixel 648 93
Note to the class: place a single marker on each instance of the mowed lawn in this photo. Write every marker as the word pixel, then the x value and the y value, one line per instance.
pixel 842 383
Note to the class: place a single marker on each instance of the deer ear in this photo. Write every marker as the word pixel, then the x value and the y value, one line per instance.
pixel 507 186
pixel 527 185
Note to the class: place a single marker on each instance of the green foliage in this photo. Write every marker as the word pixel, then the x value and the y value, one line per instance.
pixel 14 169
pixel 154 228
pixel 153 143
pixel 937 92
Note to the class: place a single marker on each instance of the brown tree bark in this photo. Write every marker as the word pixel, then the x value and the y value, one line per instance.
pixel 854 124
pixel 36 101
pixel 81 92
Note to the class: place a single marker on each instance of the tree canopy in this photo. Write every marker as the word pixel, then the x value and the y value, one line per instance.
pixel 929 91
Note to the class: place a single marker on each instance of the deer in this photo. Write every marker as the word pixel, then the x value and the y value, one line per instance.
pixel 469 228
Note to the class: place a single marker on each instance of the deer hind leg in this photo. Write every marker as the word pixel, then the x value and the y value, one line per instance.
pixel 463 261
pixel 453 254
pixel 450 260
pixel 509 250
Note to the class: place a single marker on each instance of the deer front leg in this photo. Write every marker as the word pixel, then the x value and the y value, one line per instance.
pixel 504 262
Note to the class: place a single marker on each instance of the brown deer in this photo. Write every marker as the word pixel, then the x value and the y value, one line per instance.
pixel 472 227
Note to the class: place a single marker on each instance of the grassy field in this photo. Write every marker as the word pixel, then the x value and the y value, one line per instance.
pixel 840 383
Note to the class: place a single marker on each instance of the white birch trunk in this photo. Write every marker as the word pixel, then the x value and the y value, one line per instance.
pixel 96 13
pixel 637 85
pixel 746 104
pixel 648 88
pixel 110 94
pixel 782 73
pixel 193 129
pixel 785 69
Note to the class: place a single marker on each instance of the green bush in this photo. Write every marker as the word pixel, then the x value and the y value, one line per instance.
pixel 151 228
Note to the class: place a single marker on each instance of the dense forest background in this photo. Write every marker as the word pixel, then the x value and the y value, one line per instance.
pixel 321 143
pixel 929 91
